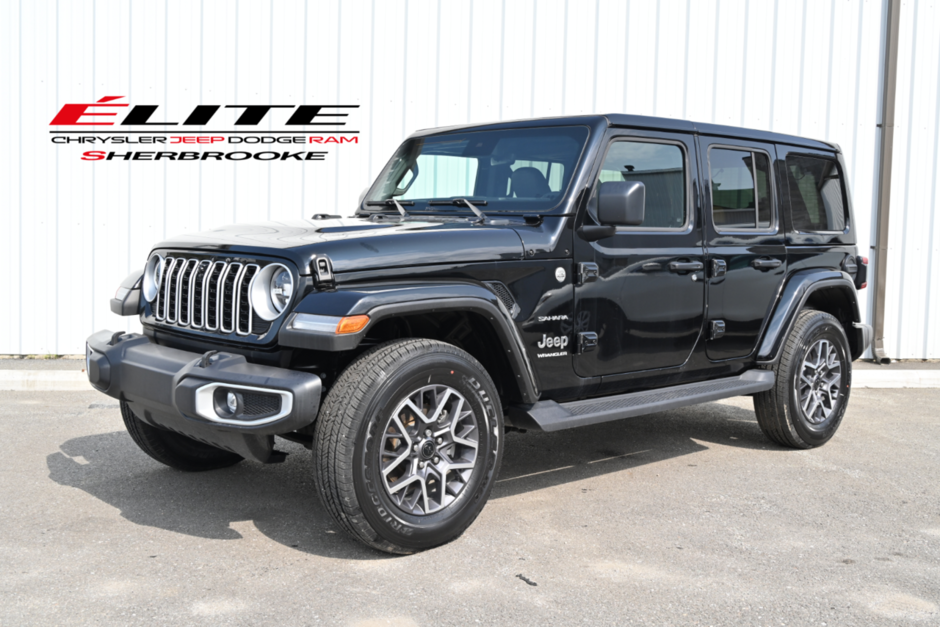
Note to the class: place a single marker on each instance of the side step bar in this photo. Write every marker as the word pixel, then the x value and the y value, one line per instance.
pixel 552 416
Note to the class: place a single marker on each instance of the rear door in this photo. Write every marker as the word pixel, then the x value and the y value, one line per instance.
pixel 647 303
pixel 746 254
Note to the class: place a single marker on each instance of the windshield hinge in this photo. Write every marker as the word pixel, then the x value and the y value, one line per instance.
pixel 587 272
pixel 322 270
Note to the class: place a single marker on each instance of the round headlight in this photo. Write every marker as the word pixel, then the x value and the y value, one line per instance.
pixel 153 277
pixel 282 286
pixel 271 291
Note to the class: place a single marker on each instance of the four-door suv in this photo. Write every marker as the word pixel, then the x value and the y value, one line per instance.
pixel 542 274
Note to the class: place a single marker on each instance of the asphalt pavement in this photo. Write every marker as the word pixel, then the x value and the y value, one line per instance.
pixel 688 517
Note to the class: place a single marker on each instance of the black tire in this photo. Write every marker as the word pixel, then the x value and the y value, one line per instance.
pixel 175 450
pixel 352 435
pixel 780 413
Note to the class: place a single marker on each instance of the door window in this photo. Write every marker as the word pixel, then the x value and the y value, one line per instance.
pixel 661 168
pixel 816 198
pixel 741 190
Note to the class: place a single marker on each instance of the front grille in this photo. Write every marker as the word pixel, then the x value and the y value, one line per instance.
pixel 209 296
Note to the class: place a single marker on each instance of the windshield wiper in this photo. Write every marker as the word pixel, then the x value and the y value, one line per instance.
pixel 401 209
pixel 463 201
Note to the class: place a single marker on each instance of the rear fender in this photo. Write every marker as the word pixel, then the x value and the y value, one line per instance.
pixel 796 293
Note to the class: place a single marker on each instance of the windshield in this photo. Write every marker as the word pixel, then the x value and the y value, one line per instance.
pixel 513 171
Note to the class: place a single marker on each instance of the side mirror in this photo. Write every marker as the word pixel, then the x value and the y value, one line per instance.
pixel 621 203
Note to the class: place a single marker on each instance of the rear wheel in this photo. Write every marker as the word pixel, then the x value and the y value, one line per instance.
pixel 408 445
pixel 813 378
pixel 175 450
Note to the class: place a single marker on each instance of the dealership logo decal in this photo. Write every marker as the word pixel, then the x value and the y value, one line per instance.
pixel 136 128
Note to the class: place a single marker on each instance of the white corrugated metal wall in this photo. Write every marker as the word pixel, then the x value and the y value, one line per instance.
pixel 912 304
pixel 71 230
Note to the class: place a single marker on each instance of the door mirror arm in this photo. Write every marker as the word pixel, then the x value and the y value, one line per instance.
pixel 594 232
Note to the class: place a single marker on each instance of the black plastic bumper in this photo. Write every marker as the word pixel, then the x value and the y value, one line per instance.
pixel 865 332
pixel 173 389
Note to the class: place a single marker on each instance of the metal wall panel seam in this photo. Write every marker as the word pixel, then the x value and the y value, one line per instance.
pixel 502 57
pixel 858 82
pixel 371 86
pixel 928 327
pixel 235 92
pixel 905 190
pixel 597 20
pixel 685 59
pixel 832 36
pixel 799 100
pixel 339 76
pixel 626 58
pixel 130 94
pixel 19 149
pixel 202 26
pixel 271 84
pixel 55 296
pixel 94 85
pixel 744 58
pixel 714 110
pixel 437 68
pixel 655 60
pixel 564 60
pixel 773 65
pixel 166 92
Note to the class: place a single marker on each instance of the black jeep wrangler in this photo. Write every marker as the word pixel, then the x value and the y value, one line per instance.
pixel 543 274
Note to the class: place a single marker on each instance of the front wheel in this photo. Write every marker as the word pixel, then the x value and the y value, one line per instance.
pixel 814 375
pixel 408 445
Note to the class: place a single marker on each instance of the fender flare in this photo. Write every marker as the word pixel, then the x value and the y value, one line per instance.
pixel 385 301
pixel 793 297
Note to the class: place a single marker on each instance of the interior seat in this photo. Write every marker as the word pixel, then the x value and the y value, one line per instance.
pixel 528 183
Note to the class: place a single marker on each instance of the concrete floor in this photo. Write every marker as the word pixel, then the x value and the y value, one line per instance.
pixel 689 517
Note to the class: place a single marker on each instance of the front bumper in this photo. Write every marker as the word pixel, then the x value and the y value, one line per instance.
pixel 179 391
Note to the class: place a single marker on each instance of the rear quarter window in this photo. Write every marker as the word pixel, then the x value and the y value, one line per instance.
pixel 817 194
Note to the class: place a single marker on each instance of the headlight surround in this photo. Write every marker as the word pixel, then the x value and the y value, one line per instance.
pixel 153 277
pixel 271 291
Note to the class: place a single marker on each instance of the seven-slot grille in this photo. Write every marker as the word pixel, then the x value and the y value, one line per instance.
pixel 208 295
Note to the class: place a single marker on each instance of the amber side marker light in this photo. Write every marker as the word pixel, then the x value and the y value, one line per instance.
pixel 351 324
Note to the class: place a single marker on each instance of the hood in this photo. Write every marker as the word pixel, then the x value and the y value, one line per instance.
pixel 359 243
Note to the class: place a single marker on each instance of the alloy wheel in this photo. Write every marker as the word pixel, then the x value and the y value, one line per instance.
pixel 429 449
pixel 819 384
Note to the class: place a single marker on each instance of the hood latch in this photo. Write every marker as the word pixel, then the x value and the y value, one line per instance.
pixel 322 270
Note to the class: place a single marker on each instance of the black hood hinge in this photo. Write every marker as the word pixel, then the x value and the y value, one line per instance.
pixel 322 270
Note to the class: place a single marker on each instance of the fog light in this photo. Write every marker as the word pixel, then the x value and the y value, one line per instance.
pixel 227 403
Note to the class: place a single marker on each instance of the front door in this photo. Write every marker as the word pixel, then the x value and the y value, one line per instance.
pixel 746 252
pixel 647 302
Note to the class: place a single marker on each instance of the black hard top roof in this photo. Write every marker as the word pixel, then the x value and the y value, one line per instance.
pixel 622 120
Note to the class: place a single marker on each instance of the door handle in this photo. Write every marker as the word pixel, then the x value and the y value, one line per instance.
pixel 766 264
pixel 686 266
